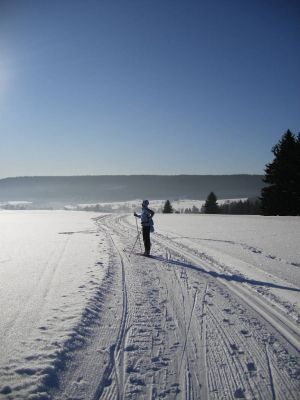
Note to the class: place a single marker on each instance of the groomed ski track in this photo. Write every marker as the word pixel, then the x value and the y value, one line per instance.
pixel 174 326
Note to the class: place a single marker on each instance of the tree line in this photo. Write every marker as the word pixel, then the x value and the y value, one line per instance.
pixel 281 195
pixel 211 206
pixel 240 207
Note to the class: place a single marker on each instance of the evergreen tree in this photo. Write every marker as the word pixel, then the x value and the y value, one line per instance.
pixel 211 205
pixel 168 209
pixel 250 207
pixel 282 195
pixel 195 210
pixel 297 184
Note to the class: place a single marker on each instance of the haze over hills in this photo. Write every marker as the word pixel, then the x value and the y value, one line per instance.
pixel 90 189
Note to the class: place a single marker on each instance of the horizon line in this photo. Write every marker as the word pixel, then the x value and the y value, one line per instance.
pixel 124 175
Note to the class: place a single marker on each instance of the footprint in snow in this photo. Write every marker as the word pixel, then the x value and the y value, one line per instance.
pixel 239 393
pixel 43 328
pixel 131 347
pixel 251 367
pixel 26 371
pixel 6 390
pixel 131 369
pixel 245 332
pixel 235 349
pixel 137 381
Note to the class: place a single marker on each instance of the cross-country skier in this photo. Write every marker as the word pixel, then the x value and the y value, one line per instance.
pixel 147 225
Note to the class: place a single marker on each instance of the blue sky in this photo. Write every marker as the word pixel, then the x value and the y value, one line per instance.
pixel 146 87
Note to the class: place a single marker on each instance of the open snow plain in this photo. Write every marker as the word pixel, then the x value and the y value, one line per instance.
pixel 214 314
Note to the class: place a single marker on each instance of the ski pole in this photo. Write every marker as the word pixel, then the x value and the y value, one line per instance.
pixel 138 236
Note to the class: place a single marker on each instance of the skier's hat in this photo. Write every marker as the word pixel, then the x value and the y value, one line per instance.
pixel 145 203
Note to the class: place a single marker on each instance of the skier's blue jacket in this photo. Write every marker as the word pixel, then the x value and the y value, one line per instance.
pixel 146 216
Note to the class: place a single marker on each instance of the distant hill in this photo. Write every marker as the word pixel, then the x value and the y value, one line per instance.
pixel 90 189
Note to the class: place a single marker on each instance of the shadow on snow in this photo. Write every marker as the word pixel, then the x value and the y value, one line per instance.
pixel 227 277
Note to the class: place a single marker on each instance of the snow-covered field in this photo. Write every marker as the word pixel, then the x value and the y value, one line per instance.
pixel 48 278
pixel 214 314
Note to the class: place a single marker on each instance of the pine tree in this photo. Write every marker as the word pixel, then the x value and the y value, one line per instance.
pixel 250 207
pixel 211 205
pixel 195 210
pixel 297 185
pixel 282 195
pixel 168 209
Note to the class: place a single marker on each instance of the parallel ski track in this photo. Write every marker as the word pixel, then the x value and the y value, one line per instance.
pixel 116 226
pixel 280 323
pixel 115 365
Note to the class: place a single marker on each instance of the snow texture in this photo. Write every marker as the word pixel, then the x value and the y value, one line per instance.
pixel 213 314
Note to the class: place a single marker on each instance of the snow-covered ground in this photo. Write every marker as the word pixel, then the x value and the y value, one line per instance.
pixel 265 249
pixel 213 314
pixel 48 278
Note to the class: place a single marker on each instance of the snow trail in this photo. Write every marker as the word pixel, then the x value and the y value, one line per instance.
pixel 193 334
pixel 178 325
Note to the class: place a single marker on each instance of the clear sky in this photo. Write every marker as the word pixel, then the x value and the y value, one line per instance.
pixel 146 87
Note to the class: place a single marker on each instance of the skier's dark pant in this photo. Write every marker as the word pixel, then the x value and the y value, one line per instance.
pixel 146 238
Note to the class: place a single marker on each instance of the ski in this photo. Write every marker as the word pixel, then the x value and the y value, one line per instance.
pixel 138 254
pixel 143 255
